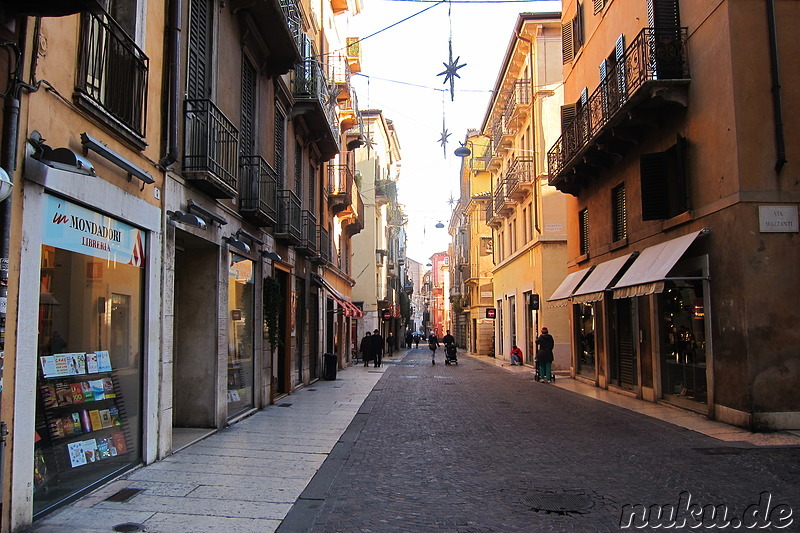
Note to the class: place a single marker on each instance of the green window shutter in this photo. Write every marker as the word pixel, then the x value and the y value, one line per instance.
pixel 249 81
pixel 198 67
pixel 567 50
pixel 654 169
pixel 280 151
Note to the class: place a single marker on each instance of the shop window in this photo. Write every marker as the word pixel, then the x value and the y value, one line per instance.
pixel 88 401
pixel 583 231
pixel 241 331
pixel 619 214
pixel 664 182
pixel 585 326
pixel 683 352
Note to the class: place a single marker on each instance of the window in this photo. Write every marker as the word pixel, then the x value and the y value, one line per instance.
pixel 280 138
pixel 298 168
pixel 664 182
pixel 572 36
pixel 583 229
pixel 599 5
pixel 248 120
pixel 198 69
pixel 619 214
pixel 525 225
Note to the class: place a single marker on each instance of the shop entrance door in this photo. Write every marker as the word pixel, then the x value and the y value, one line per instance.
pixel 282 364
pixel 195 357
pixel 623 364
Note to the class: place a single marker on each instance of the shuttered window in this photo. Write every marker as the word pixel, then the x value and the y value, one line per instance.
pixel 298 168
pixel 572 36
pixel 280 150
pixel 598 6
pixel 198 84
pixel 663 13
pixel 619 215
pixel 247 135
pixel 583 228
pixel 664 183
pixel 567 115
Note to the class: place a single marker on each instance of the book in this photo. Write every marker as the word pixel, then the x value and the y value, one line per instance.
pixel 77 393
pixel 97 389
pixel 91 363
pixel 103 361
pixel 103 450
pixel 76 426
pixel 94 416
pixel 86 421
pixel 90 450
pixel 112 446
pixel 61 364
pixel 88 395
pixel 108 388
pixel 56 428
pixel 76 455
pixel 49 398
pixel 48 363
pixel 119 443
pixel 105 418
pixel 113 412
pixel 63 393
pixel 80 362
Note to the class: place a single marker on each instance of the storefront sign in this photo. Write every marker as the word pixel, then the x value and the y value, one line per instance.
pixel 778 219
pixel 77 229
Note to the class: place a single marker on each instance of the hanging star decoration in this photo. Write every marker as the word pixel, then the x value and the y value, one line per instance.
pixel 450 73
pixel 443 139
pixel 451 201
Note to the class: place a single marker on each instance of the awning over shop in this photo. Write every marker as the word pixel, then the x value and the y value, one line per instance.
pixel 650 270
pixel 348 308
pixel 595 285
pixel 568 285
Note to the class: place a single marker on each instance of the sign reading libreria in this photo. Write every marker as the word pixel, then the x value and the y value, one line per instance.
pixel 77 229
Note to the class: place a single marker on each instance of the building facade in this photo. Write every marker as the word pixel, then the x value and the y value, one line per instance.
pixel 677 141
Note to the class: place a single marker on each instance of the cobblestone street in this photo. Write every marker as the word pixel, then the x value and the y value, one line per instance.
pixel 475 448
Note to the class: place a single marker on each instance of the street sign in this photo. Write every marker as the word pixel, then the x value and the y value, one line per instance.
pixel 491 312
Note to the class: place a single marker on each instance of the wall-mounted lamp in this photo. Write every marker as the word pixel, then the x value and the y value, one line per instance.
pixel 5 185
pixel 253 238
pixel 233 242
pixel 191 206
pixel 271 255
pixel 93 144
pixel 60 158
pixel 187 218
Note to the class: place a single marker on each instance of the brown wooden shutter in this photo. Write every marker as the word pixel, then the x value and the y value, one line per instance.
pixel 198 67
pixel 598 6
pixel 567 50
pixel 619 213
pixel 568 113
pixel 654 169
pixel 665 13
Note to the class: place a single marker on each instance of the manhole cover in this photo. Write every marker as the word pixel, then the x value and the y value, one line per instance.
pixel 560 503
pixel 284 405
pixel 123 496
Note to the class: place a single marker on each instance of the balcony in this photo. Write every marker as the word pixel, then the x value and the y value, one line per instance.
pixel 323 245
pixel 501 136
pixel 289 226
pixel 520 177
pixel 385 191
pixel 518 104
pixel 210 155
pixel 354 53
pixel 308 234
pixel 649 82
pixel 489 212
pixel 258 188
pixel 112 76
pixel 352 218
pixel 316 103
pixel 340 186
pixel 277 25
pixel 503 205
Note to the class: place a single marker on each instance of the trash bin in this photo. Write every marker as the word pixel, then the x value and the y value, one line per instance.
pixel 329 364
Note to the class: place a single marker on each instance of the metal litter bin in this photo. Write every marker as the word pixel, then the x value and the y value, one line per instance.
pixel 329 364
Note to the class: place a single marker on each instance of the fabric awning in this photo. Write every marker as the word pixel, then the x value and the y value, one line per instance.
pixel 348 308
pixel 568 285
pixel 650 270
pixel 594 286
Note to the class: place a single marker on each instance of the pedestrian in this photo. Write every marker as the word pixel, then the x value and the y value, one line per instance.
pixel 377 348
pixel 516 356
pixel 433 343
pixel 391 344
pixel 448 339
pixel 544 354
pixel 366 348
pixel 409 338
pixel 416 340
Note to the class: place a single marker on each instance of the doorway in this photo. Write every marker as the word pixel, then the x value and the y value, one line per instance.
pixel 623 358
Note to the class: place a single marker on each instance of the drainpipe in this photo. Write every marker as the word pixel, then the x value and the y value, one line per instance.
pixel 777 108
pixel 173 74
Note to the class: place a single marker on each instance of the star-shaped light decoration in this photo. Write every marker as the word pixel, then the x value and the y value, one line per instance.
pixel 451 201
pixel 450 73
pixel 443 139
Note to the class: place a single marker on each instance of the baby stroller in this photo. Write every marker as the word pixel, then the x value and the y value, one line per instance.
pixel 450 354
pixel 538 376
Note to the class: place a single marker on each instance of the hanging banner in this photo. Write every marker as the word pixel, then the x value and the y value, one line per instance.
pixel 71 227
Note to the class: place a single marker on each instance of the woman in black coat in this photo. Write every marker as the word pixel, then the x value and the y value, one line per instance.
pixel 544 354
pixel 366 348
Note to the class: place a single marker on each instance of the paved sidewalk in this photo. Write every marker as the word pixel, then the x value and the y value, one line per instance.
pixel 244 478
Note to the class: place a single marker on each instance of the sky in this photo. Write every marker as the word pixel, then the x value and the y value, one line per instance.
pixel 399 75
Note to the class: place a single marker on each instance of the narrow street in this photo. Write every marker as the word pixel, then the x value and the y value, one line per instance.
pixel 476 448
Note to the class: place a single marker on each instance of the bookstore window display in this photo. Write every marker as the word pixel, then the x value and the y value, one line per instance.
pixel 87 425
pixel 241 334
pixel 684 352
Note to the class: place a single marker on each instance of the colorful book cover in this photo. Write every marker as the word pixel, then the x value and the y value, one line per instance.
pixel 86 421
pixel 103 451
pixel 76 455
pixel 105 418
pixel 103 361
pixel 88 395
pixel 61 363
pixel 94 415
pixel 97 389
pixel 77 426
pixel 77 393
pixel 90 450
pixel 119 443
pixel 49 397
pixel 63 393
pixel 114 414
pixel 108 388
pixel 56 428
pixel 48 363
pixel 91 363
pixel 80 362
pixel 112 447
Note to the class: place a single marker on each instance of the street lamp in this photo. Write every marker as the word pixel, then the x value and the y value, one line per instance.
pixel 5 185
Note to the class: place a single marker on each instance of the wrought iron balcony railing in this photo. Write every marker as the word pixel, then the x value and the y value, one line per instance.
pixel 499 196
pixel 112 71
pixel 499 130
pixel 324 244
pixel 294 20
pixel 340 182
pixel 210 155
pixel 519 98
pixel 656 55
pixel 258 191
pixel 520 174
pixel 289 226
pixel 489 211
pixel 310 85
pixel 308 233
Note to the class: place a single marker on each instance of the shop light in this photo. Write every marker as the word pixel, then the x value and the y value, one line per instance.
pixel 238 244
pixel 271 255
pixel 191 206
pixel 104 151
pixel 187 218
pixel 253 239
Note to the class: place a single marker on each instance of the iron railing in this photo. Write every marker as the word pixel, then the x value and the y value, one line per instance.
pixel 258 190
pixel 489 211
pixel 656 54
pixel 499 128
pixel 211 142
pixel 308 233
pixel 289 226
pixel 113 70
pixel 499 195
pixel 340 179
pixel 309 83
pixel 324 243
pixel 293 20
pixel 521 171
pixel 520 96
